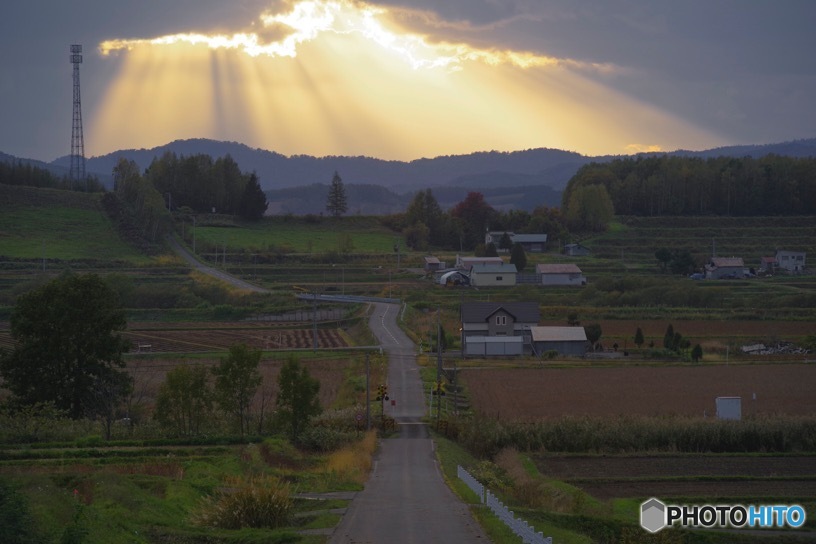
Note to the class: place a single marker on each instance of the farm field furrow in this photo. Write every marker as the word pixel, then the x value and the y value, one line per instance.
pixel 670 466
pixel 530 394
pixel 793 489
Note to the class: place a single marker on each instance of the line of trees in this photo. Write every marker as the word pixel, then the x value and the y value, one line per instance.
pixel 205 185
pixel 668 185
pixel 21 173
pixel 463 227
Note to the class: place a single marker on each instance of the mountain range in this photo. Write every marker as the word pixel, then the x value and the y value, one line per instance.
pixel 298 184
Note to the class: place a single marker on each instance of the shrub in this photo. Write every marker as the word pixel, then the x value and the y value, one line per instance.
pixel 324 439
pixel 262 503
pixel 16 523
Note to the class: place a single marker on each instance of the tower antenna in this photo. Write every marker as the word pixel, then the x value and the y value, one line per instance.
pixel 77 140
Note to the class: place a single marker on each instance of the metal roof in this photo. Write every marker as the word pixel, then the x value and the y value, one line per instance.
pixel 491 268
pixel 558 269
pixel 558 334
pixel 529 238
pixel 727 262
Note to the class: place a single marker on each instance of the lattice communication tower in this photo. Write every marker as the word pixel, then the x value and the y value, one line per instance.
pixel 77 140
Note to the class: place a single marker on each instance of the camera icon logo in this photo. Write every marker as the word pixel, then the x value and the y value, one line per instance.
pixel 653 515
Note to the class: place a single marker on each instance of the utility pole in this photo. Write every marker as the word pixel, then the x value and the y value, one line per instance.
pixel 438 366
pixel 368 391
pixel 314 322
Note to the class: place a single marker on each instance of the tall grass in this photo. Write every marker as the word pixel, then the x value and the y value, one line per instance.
pixel 485 437
pixel 353 462
pixel 259 503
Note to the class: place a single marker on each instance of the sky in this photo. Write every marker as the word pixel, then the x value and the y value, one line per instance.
pixel 407 79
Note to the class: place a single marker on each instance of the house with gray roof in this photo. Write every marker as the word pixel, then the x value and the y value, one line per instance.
pixel 498 328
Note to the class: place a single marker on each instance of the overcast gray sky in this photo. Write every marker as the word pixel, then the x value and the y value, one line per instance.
pixel 701 72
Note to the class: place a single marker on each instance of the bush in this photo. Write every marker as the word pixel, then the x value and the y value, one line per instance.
pixel 324 439
pixel 263 503
pixel 16 523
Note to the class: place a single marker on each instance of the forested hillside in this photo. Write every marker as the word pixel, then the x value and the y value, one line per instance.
pixel 668 185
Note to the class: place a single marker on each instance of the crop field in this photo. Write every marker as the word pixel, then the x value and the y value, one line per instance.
pixel 529 394
pixel 711 335
pixel 721 476
pixel 191 338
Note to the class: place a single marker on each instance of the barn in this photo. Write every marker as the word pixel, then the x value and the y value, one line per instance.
pixel 565 340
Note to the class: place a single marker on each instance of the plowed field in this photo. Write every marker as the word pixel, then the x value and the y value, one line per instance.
pixel 195 338
pixel 686 476
pixel 524 394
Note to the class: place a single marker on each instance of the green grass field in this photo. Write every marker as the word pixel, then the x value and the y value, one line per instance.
pixel 63 225
pixel 295 235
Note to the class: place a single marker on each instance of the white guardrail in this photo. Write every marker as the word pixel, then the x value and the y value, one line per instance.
pixel 521 528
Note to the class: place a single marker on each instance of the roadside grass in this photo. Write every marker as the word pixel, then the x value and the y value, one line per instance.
pixel 164 497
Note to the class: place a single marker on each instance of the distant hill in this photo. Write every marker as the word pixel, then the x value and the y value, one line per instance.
pixel 518 179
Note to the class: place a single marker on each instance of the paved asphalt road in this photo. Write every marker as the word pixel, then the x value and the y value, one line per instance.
pixel 405 499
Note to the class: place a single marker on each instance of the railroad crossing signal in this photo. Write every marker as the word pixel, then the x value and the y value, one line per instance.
pixel 438 389
pixel 382 392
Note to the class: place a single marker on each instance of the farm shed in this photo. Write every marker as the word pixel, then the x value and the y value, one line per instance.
pixel 792 261
pixel 532 243
pixel 560 274
pixel 486 346
pixel 499 319
pixel 725 267
pixel 493 274
pixel 576 250
pixel 432 264
pixel 564 340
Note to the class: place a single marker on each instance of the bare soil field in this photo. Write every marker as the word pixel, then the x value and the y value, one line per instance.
pixel 699 330
pixel 204 337
pixel 607 477
pixel 529 394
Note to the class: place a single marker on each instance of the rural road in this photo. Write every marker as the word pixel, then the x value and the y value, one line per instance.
pixel 405 499
pixel 214 272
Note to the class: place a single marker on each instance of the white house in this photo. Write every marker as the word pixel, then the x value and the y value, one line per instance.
pixel 465 263
pixel 498 328
pixel 792 261
pixel 493 274
pixel 560 274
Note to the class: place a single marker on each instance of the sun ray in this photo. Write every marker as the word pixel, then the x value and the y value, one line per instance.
pixel 341 78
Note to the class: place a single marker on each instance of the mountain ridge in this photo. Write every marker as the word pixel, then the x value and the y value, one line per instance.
pixel 533 176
